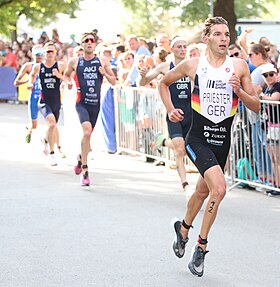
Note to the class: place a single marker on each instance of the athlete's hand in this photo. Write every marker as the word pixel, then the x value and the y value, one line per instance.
pixel 29 86
pixel 143 71
pixel 56 73
pixel 101 71
pixel 69 85
pixel 176 115
pixel 234 81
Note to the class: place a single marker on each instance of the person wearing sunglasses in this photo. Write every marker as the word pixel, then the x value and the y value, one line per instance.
pixel 33 100
pixel 50 73
pixel 272 93
pixel 259 57
pixel 235 51
pixel 89 73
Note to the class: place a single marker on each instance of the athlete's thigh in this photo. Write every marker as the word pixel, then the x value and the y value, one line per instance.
pixel 201 155
pixel 45 110
pixel 174 129
pixel 93 115
pixel 83 113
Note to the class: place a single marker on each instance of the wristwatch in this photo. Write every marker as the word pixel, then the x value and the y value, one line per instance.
pixel 261 96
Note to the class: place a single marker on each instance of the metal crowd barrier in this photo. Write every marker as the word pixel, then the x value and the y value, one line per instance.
pixel 255 147
pixel 253 160
pixel 140 117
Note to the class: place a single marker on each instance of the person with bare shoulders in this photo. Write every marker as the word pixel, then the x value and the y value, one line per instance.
pixel 34 97
pixel 180 92
pixel 50 73
pixel 218 83
pixel 89 72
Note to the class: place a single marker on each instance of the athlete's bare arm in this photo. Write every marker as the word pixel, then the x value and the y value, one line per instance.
pixel 146 75
pixel 242 85
pixel 25 69
pixel 32 77
pixel 60 70
pixel 183 69
pixel 106 71
pixel 68 72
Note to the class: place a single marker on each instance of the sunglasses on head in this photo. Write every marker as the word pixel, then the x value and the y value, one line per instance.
pixel 89 40
pixel 236 54
pixel 271 74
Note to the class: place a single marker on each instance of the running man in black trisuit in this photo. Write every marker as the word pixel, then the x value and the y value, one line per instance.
pixel 218 83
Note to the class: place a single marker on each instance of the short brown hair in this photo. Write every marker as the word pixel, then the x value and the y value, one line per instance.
pixel 210 22
pixel 89 33
pixel 49 43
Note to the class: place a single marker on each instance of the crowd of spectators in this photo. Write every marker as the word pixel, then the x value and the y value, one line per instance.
pixel 129 53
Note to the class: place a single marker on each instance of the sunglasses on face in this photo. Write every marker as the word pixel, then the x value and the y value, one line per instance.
pixel 236 54
pixel 89 40
pixel 268 74
pixel 50 52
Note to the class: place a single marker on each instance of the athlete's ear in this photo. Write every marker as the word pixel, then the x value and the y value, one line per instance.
pixel 204 39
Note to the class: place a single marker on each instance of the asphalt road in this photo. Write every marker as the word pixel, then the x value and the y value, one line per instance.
pixel 117 232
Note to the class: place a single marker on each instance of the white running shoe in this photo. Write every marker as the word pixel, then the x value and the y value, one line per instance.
pixel 52 160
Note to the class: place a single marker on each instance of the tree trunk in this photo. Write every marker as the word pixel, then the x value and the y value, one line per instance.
pixel 13 33
pixel 225 8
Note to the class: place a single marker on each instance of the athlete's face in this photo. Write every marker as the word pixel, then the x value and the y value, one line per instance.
pixel 180 50
pixel 89 44
pixel 50 52
pixel 218 39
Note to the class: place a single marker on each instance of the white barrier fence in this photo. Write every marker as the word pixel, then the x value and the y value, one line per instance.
pixel 254 158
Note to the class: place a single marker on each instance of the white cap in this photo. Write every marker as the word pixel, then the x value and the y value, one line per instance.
pixel 266 68
pixel 39 51
pixel 176 39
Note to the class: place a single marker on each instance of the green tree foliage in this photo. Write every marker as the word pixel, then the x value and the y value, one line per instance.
pixel 161 13
pixel 38 12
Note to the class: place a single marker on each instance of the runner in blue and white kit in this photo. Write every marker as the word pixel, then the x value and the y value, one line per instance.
pixel 218 81
pixel 89 72
pixel 38 55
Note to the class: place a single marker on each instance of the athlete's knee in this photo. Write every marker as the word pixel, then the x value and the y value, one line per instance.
pixel 52 125
pixel 180 152
pixel 201 192
pixel 218 192
pixel 87 134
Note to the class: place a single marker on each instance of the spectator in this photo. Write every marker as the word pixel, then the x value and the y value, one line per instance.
pixel 160 55
pixel 163 41
pixel 272 93
pixel 10 58
pixel 259 57
pixel 193 51
pixel 138 51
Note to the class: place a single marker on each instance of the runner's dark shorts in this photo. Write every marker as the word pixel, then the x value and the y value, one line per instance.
pixel 46 110
pixel 204 155
pixel 87 115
